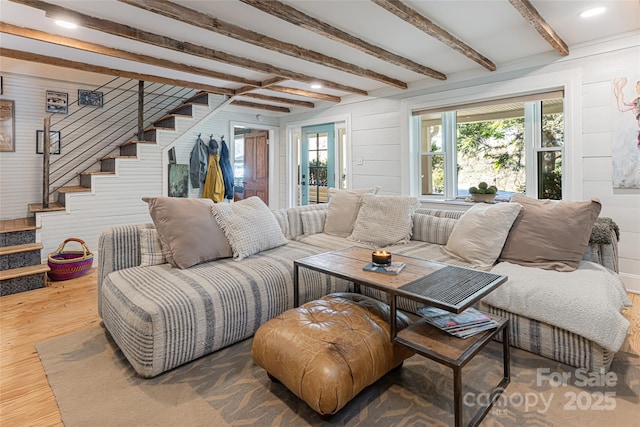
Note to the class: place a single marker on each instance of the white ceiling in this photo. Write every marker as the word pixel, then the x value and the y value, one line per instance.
pixel 492 27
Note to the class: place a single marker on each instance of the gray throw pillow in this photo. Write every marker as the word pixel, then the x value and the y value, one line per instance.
pixel 549 234
pixel 187 230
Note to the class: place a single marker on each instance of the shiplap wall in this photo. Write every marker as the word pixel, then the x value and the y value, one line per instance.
pixel 376 138
pixel 21 171
pixel 114 200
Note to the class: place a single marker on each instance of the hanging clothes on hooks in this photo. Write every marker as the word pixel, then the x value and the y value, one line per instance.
pixel 214 184
pixel 227 169
pixel 198 162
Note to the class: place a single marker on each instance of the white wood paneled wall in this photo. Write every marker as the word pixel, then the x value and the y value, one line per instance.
pixel 376 137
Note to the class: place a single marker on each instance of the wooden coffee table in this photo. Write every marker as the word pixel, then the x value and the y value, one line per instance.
pixel 440 285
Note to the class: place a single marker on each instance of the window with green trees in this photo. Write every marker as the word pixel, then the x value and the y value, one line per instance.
pixel 514 144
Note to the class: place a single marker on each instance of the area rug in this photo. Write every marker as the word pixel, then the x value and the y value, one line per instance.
pixel 94 385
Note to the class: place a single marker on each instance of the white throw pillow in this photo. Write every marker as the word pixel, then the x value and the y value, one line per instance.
pixel 384 220
pixel 151 252
pixel 249 226
pixel 343 210
pixel 479 234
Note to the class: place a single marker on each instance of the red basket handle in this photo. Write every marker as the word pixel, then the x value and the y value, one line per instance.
pixel 85 249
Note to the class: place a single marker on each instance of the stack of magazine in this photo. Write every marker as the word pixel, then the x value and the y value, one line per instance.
pixel 463 325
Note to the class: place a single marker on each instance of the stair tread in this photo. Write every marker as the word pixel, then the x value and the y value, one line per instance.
pixel 174 115
pixel 74 189
pixel 53 207
pixel 18 224
pixel 24 271
pixel 119 157
pixel 158 128
pixel 97 173
pixel 168 116
pixel 136 142
pixel 16 249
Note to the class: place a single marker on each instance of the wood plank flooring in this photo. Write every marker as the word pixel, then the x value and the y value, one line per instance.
pixel 30 317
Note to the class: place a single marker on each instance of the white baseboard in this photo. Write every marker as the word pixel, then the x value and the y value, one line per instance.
pixel 631 282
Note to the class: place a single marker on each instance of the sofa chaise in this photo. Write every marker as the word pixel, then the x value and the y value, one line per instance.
pixel 162 316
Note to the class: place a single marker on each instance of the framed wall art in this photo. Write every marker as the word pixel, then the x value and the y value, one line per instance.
pixel 57 102
pixel 55 141
pixel 91 98
pixel 7 125
pixel 178 180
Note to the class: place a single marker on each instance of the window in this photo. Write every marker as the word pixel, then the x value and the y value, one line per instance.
pixel 515 144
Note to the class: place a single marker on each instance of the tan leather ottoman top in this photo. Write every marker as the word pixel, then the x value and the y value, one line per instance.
pixel 326 351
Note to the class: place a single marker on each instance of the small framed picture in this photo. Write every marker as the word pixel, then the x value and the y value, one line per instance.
pixel 55 141
pixel 7 125
pixel 57 102
pixel 91 98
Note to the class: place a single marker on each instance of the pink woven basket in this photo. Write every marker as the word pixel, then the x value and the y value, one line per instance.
pixel 67 265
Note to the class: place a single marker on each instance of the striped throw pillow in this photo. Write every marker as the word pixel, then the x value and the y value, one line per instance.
pixel 432 229
pixel 313 222
pixel 150 247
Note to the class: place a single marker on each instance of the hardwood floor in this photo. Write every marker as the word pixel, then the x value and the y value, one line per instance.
pixel 30 317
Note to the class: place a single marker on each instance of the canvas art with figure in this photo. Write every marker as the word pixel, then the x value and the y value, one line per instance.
pixel 626 134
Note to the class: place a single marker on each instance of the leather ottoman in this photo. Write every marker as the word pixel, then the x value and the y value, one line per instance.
pixel 327 351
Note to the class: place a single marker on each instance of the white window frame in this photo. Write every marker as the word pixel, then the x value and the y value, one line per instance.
pixel 570 81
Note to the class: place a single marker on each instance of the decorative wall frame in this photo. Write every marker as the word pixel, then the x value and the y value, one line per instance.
pixel 57 102
pixel 625 132
pixel 7 125
pixel 178 180
pixel 55 141
pixel 90 97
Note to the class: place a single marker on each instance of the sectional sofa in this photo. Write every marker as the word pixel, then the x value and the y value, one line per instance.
pixel 162 316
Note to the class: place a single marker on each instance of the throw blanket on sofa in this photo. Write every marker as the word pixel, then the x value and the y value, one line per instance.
pixel 587 301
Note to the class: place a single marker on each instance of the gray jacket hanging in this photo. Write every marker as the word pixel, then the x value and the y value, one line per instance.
pixel 198 163
pixel 227 170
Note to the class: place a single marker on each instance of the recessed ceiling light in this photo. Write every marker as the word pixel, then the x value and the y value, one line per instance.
pixel 66 24
pixel 316 86
pixel 593 12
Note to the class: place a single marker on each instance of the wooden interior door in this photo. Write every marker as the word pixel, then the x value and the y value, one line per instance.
pixel 256 165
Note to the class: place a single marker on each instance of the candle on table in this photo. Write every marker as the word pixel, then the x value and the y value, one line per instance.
pixel 381 257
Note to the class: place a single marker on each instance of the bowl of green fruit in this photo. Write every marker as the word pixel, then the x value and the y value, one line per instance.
pixel 483 192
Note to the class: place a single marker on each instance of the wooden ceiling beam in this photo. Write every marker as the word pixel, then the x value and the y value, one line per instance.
pixel 201 20
pixel 302 20
pixel 260 106
pixel 272 81
pixel 142 36
pixel 304 93
pixel 83 66
pixel 121 54
pixel 424 24
pixel 280 100
pixel 531 15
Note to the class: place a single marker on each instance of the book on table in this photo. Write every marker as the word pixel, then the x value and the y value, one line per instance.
pixel 393 268
pixel 463 325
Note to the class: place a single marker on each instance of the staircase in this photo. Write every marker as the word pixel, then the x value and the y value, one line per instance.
pixel 128 150
pixel 20 255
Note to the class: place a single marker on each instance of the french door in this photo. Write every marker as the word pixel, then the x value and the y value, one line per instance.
pixel 317 163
